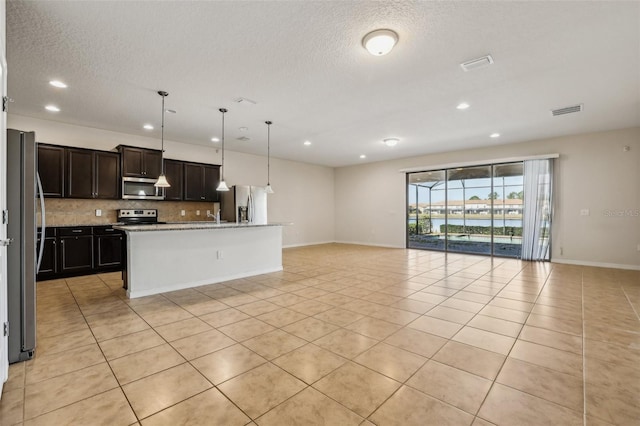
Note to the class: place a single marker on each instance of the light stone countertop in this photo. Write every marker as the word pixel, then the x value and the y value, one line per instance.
pixel 192 225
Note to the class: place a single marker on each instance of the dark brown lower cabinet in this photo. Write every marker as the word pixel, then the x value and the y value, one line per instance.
pixel 83 250
pixel 49 263
pixel 109 248
pixel 76 249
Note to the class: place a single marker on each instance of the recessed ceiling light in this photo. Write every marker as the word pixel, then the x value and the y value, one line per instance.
pixel 463 105
pixel 243 129
pixel 391 141
pixel 148 127
pixel 307 143
pixel 363 156
pixel 215 139
pixel 494 135
pixel 380 42
pixel 58 83
pixel 52 108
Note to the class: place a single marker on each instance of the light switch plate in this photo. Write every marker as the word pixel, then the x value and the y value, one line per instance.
pixel 98 212
pixel 183 213
pixel 197 212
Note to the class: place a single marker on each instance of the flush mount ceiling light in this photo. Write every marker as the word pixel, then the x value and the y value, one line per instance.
pixel 58 83
pixel 222 186
pixel 162 179
pixel 463 105
pixel 363 156
pixel 268 188
pixel 380 42
pixel 215 139
pixel 52 108
pixel 147 127
pixel 391 141
pixel 494 135
pixel 307 143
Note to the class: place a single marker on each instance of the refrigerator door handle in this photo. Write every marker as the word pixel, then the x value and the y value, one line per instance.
pixel 42 221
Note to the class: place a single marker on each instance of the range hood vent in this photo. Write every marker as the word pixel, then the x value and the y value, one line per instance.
pixel 567 110
pixel 477 63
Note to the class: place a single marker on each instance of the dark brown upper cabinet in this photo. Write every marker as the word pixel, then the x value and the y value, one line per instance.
pixel 92 174
pixel 174 170
pixel 140 162
pixel 51 169
pixel 200 182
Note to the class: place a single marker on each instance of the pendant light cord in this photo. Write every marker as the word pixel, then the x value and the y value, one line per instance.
pixel 163 94
pixel 268 152
pixel 222 110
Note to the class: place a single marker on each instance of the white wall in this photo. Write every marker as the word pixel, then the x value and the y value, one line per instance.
pixel 593 172
pixel 303 192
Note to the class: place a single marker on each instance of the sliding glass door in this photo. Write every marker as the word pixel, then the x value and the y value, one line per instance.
pixel 426 210
pixel 474 209
pixel 469 198
pixel 507 209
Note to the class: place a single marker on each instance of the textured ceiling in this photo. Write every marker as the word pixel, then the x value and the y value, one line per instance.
pixel 304 65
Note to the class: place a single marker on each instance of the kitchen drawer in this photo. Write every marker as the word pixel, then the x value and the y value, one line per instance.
pixel 74 232
pixel 106 230
pixel 49 232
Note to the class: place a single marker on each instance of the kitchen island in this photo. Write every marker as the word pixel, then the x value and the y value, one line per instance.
pixel 168 257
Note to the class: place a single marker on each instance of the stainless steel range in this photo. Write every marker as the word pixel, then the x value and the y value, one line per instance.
pixel 138 217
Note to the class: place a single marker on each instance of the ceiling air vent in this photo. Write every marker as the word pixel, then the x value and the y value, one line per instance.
pixel 243 100
pixel 567 110
pixel 243 139
pixel 477 63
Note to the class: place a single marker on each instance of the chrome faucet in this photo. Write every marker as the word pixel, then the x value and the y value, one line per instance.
pixel 215 216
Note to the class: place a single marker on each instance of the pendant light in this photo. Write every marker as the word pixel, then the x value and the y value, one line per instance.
pixel 162 179
pixel 222 186
pixel 268 188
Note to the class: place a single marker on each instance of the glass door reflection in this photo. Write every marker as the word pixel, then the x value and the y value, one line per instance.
pixel 508 184
pixel 469 201
pixel 426 210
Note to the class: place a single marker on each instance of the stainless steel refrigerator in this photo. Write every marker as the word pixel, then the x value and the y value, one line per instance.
pixel 244 204
pixel 21 254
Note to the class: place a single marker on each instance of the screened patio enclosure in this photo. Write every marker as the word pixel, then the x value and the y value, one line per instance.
pixel 477 209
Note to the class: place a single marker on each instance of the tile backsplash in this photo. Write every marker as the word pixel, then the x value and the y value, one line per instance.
pixel 66 211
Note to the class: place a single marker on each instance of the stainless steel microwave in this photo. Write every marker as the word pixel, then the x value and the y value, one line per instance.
pixel 140 189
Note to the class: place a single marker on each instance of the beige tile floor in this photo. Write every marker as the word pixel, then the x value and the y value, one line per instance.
pixel 345 335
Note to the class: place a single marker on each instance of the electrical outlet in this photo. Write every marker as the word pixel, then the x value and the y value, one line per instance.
pixel 561 251
pixel 98 212
pixel 183 213
pixel 197 212
pixel 220 255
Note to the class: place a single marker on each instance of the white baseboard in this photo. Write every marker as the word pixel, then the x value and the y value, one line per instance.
pixel 360 243
pixel 307 244
pixel 597 264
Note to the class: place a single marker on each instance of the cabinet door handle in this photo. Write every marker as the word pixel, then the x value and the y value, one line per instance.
pixel 109 230
pixel 76 230
pixel 202 198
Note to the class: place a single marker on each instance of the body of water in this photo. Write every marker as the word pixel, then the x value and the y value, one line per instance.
pixel 497 222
